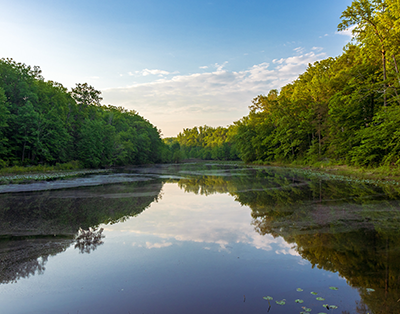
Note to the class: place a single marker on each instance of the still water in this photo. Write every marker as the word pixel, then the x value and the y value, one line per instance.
pixel 200 238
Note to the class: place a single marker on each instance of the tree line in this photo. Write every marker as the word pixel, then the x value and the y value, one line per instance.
pixel 203 142
pixel 345 109
pixel 41 122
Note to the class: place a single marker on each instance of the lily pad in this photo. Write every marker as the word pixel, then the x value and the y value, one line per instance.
pixel 370 290
pixel 314 293
pixel 333 306
pixel 298 301
pixel 282 302
pixel 326 306
pixel 299 289
pixel 268 298
pixel 333 288
pixel 320 299
pixel 307 310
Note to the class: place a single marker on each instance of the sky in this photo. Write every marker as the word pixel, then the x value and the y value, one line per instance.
pixel 179 64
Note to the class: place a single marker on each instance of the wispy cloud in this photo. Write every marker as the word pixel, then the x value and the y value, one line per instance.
pixel 147 72
pixel 317 49
pixel 347 32
pixel 216 97
pixel 299 49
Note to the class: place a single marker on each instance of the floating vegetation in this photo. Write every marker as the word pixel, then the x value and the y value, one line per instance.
pixel 370 290
pixel 306 309
pixel 268 298
pixel 46 176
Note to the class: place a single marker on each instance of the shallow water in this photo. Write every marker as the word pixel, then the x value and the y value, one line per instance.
pixel 201 238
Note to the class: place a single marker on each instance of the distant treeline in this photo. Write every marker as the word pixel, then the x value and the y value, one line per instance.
pixel 41 122
pixel 344 109
pixel 203 142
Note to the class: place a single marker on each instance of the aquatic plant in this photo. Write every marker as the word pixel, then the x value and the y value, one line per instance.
pixel 7 179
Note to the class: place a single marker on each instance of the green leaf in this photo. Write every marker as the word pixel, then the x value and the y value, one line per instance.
pixel 370 290
pixel 298 301
pixel 333 306
pixel 268 298
pixel 314 293
pixel 333 288
pixel 282 302
pixel 299 289
pixel 320 299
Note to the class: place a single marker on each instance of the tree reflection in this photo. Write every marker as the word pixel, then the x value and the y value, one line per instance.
pixel 349 228
pixel 88 240
pixel 34 226
pixel 25 258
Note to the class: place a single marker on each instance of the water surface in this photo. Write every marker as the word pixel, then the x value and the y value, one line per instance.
pixel 200 238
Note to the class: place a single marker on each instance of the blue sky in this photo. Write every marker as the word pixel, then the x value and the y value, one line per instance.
pixel 177 63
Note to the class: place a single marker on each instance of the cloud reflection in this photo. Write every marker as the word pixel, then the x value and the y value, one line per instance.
pixel 186 217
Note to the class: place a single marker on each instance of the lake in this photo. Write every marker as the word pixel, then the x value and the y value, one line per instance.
pixel 200 238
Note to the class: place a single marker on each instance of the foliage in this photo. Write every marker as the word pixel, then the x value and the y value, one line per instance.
pixel 204 142
pixel 41 122
pixel 343 109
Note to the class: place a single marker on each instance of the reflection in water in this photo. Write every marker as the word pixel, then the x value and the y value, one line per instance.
pixel 88 240
pixel 36 225
pixel 340 227
pixel 25 258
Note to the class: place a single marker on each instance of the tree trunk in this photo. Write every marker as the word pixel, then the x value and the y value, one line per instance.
pixel 384 76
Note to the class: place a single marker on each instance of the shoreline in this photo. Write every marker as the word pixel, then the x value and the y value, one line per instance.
pixel 377 175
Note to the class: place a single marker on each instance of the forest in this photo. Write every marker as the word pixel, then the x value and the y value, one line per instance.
pixel 41 122
pixel 342 110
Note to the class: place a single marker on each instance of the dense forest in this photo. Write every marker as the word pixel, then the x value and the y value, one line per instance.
pixel 343 110
pixel 41 122
pixel 204 142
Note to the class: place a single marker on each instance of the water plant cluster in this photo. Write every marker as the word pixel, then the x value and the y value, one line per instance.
pixel 304 309
pixel 20 178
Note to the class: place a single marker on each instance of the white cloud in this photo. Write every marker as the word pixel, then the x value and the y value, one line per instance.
pixel 146 72
pixel 220 66
pixel 203 67
pixel 317 49
pixel 347 32
pixel 214 98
